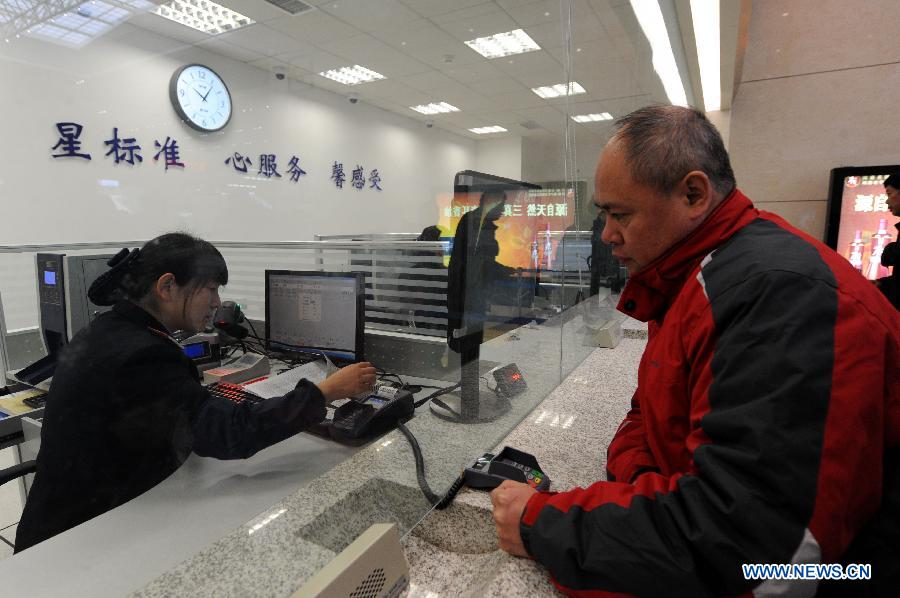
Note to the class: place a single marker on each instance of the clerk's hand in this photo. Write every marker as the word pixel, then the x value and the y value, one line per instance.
pixel 349 380
pixel 509 500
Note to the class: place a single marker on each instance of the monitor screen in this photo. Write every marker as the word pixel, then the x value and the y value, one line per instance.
pixel 859 222
pixel 312 312
pixel 50 277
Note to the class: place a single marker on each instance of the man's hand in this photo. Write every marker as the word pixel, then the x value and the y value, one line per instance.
pixel 350 380
pixel 509 500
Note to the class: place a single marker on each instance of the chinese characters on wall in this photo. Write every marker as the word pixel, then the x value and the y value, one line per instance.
pixel 124 149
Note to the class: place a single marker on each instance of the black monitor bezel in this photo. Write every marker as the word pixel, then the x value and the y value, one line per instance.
pixel 360 312
pixel 836 195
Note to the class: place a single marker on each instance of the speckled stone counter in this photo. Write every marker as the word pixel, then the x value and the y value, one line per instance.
pixel 450 552
pixel 568 433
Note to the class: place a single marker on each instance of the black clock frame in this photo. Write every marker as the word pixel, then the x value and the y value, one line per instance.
pixel 173 97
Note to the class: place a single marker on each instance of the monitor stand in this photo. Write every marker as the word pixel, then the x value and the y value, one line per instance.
pixel 467 406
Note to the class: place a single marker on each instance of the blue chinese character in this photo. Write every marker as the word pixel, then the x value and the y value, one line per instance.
pixel 374 179
pixel 123 149
pixel 359 179
pixel 294 168
pixel 240 162
pixel 267 166
pixel 69 142
pixel 170 150
pixel 337 175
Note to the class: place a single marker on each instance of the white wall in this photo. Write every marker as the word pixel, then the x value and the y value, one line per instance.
pixel 820 89
pixel 122 80
pixel 502 157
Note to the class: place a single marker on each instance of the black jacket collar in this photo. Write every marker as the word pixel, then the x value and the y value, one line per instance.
pixel 139 316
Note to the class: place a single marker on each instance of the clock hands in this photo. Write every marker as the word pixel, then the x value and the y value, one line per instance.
pixel 199 94
pixel 207 92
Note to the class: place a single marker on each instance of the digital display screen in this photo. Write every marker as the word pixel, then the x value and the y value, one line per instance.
pixel 197 350
pixel 376 402
pixel 50 278
pixel 865 224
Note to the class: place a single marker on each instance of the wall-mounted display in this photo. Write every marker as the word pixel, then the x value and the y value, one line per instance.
pixel 858 224
pixel 200 98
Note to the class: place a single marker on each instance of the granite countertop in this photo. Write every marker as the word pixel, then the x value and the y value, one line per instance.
pixel 450 552
pixel 568 433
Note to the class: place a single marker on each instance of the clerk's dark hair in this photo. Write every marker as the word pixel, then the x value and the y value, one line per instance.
pixel 193 262
pixel 664 143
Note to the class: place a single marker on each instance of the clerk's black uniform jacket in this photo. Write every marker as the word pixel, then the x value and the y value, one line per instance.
pixel 125 410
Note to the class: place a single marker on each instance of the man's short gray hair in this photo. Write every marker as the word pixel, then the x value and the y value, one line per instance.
pixel 664 143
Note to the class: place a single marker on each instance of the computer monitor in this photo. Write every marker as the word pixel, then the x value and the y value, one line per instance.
pixel 316 312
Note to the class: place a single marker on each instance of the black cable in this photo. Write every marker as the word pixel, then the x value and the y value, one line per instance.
pixel 430 496
pixel 436 394
pixel 253 328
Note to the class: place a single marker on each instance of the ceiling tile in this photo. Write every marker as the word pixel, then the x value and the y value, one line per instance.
pixel 371 15
pixel 167 28
pixel 482 25
pixel 229 50
pixel 314 61
pixel 431 81
pixel 532 67
pixel 394 91
pixel 477 71
pixel 371 53
pixel 263 39
pixel 257 10
pixel 534 13
pixel 497 86
pixel 431 8
pixel 314 27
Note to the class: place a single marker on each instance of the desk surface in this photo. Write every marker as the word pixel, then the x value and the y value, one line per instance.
pixel 265 525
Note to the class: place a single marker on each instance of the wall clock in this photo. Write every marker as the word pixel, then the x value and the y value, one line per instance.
pixel 200 98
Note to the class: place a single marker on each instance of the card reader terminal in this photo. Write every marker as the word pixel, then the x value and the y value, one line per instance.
pixel 489 470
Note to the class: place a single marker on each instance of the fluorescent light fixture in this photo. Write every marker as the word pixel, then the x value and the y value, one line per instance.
pixel 555 91
pixel 491 129
pixel 75 28
pixel 592 118
pixel 503 44
pixel 705 16
pixel 352 75
pixel 203 15
pixel 435 108
pixel 651 20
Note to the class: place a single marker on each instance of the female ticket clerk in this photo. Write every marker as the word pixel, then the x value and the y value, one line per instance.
pixel 126 407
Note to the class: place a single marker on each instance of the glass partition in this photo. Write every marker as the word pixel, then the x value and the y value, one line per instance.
pixel 445 150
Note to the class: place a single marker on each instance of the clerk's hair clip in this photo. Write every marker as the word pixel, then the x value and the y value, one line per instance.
pixel 107 289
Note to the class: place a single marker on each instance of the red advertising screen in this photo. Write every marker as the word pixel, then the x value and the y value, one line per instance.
pixel 865 225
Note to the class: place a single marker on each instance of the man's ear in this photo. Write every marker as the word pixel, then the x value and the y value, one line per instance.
pixel 697 191
pixel 166 286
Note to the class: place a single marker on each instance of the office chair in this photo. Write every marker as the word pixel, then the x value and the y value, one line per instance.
pixel 17 471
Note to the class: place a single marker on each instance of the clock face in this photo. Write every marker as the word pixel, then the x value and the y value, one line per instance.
pixel 200 98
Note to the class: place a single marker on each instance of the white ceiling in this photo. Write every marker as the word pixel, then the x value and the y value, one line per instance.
pixel 418 46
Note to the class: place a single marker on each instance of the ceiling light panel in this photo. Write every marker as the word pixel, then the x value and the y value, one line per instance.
pixel 203 15
pixel 485 130
pixel 435 108
pixel 503 44
pixel 592 118
pixel 705 16
pixel 653 25
pixel 558 90
pixel 352 75
pixel 74 28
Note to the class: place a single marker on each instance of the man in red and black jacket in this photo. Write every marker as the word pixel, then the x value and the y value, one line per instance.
pixel 766 423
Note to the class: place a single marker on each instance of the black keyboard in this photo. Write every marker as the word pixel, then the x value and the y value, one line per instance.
pixel 38 402
pixel 233 392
